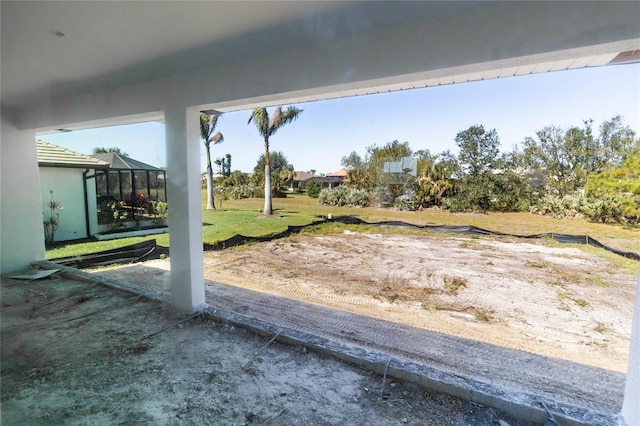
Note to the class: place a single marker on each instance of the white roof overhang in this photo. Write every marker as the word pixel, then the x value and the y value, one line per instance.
pixel 85 64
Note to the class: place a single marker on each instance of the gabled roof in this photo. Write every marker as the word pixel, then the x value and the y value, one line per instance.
pixel 122 162
pixel 339 173
pixel 50 155
pixel 302 176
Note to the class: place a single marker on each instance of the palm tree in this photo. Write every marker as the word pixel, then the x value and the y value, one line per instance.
pixel 208 122
pixel 267 126
pixel 103 150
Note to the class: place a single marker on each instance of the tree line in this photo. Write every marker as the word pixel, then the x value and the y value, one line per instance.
pixel 577 171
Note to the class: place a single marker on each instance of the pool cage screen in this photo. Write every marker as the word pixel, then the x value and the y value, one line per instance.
pixel 133 190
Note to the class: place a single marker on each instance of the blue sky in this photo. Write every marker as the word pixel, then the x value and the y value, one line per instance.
pixel 427 118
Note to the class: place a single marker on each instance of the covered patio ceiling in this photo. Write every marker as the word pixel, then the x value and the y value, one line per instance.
pixel 68 64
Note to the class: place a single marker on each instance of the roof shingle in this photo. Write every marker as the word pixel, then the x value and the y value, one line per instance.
pixel 50 155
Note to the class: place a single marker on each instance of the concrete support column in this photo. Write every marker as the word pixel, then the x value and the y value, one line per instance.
pixel 631 404
pixel 21 207
pixel 185 207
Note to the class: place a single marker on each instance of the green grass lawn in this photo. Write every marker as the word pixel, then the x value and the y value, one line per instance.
pixel 243 217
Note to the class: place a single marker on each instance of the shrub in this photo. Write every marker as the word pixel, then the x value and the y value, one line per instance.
pixel 246 191
pixel 51 224
pixel 407 201
pixel 313 188
pixel 604 209
pixel 343 196
pixel 383 196
pixel 159 212
pixel 112 214
pixel 358 198
pixel 560 207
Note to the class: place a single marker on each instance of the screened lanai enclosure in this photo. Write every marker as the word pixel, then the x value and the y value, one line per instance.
pixel 129 190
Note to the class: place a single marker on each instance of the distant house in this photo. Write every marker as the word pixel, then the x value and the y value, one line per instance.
pixel 68 177
pixel 331 180
pixel 300 180
pixel 328 181
pixel 81 183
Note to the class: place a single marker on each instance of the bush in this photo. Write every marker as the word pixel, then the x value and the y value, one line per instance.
pixel 159 212
pixel 358 198
pixel 383 196
pixel 604 209
pixel 313 188
pixel 246 191
pixel 343 196
pixel 407 201
pixel 574 205
pixel 112 214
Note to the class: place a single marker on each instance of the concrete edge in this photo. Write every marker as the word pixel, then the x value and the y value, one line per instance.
pixel 518 404
pixel 108 282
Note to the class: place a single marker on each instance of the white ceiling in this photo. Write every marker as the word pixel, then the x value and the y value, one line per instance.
pixel 78 64
pixel 53 48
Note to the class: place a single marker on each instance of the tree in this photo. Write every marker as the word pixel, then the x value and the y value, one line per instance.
pixel 277 160
pixel 434 181
pixel 618 189
pixel 236 178
pixel 313 188
pixel 567 157
pixel 477 185
pixel 368 172
pixel 564 157
pixel 227 165
pixel 353 161
pixel 102 150
pixel 267 126
pixel 282 173
pixel 358 178
pixel 478 150
pixel 377 156
pixel 224 165
pixel 617 142
pixel 208 123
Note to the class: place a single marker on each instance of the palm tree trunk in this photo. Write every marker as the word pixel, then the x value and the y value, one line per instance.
pixel 268 207
pixel 210 201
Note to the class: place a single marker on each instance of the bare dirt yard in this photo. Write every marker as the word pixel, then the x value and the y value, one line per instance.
pixel 79 353
pixel 530 295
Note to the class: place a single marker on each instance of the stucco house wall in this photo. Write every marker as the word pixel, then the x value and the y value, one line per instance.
pixel 20 212
pixel 68 189
pixel 68 177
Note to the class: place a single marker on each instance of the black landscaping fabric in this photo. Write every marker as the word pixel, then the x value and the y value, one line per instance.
pixel 474 230
pixel 147 249
pixel 456 229
pixel 128 254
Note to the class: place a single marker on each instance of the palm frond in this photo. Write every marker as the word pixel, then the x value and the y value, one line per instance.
pixel 260 117
pixel 217 138
pixel 204 127
pixel 213 121
pixel 281 118
pixel 275 118
pixel 208 123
